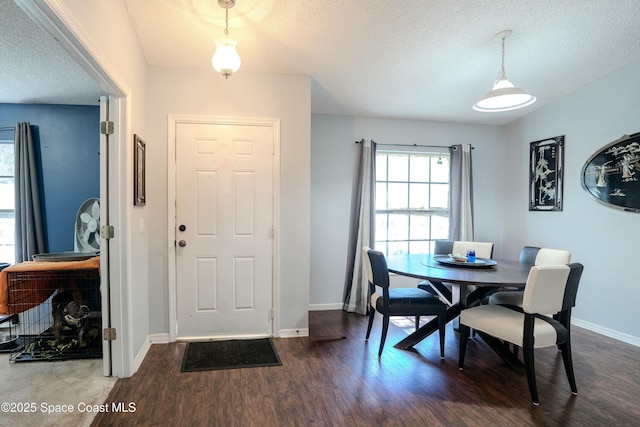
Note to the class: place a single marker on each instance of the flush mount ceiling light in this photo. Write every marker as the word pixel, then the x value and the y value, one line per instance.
pixel 226 60
pixel 504 96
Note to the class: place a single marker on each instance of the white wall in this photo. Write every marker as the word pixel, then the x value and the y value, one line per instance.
pixel 104 28
pixel 333 169
pixel 604 239
pixel 205 92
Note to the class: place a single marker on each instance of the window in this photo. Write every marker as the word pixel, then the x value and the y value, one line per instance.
pixel 412 201
pixel 7 202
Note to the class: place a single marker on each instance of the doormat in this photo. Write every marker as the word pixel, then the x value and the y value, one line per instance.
pixel 231 354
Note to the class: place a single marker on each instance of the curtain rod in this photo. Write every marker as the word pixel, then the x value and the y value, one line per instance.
pixel 414 145
pixel 8 128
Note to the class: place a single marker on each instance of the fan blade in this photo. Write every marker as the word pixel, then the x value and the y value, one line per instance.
pixel 87 235
pixel 85 217
pixel 95 210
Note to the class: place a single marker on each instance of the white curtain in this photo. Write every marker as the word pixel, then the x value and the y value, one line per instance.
pixel 356 289
pixel 461 210
pixel 29 228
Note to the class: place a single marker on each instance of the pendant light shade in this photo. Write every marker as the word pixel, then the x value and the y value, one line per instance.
pixel 504 96
pixel 226 60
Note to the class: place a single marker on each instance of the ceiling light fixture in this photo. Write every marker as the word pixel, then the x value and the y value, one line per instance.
pixel 504 96
pixel 226 60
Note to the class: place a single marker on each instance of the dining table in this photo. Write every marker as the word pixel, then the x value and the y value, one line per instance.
pixel 469 282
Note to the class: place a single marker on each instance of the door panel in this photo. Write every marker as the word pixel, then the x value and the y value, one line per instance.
pixel 224 199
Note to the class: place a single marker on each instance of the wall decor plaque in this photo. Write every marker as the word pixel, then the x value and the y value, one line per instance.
pixel 546 163
pixel 611 174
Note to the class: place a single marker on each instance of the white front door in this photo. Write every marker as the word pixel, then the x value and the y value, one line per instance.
pixel 224 230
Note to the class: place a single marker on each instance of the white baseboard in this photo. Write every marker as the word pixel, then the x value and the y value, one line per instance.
pixel 324 307
pixel 294 333
pixel 162 338
pixel 151 339
pixel 137 361
pixel 629 339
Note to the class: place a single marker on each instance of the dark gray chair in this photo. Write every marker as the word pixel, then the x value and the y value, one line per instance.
pixel 398 301
pixel 549 289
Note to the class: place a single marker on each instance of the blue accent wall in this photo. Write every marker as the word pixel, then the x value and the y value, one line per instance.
pixel 67 139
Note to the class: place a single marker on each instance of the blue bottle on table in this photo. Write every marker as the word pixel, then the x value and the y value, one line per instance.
pixel 471 255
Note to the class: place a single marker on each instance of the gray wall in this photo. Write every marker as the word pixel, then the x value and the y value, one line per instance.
pixel 203 92
pixel 602 238
pixel 333 165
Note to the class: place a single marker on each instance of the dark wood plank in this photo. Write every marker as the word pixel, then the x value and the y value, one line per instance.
pixel 342 382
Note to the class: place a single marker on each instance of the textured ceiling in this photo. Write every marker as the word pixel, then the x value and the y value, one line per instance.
pixel 33 67
pixel 428 59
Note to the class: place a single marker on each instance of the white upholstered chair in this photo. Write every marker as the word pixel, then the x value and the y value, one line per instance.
pixel 549 289
pixel 534 256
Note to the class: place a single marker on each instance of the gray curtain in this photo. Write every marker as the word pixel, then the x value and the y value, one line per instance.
pixel 356 286
pixel 29 230
pixel 461 210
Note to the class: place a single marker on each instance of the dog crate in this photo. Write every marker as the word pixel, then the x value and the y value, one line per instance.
pixel 66 325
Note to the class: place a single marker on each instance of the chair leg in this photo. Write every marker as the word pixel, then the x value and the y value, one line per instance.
pixel 417 322
pixel 568 365
pixel 385 327
pixel 442 327
pixel 529 366
pixel 464 337
pixel 372 313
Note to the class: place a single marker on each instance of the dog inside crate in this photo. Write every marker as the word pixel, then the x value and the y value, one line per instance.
pixel 65 326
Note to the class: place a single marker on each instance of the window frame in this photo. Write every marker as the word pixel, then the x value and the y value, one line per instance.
pixel 9 212
pixel 432 212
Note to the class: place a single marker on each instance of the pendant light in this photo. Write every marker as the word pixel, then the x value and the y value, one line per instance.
pixel 226 60
pixel 504 96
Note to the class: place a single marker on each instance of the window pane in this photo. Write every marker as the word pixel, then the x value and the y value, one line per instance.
pixel 6 159
pixel 381 227
pixel 440 173
pixel 412 182
pixel 398 167
pixel 7 198
pixel 381 167
pixel 398 248
pixel 419 168
pixel 398 227
pixel 439 227
pixel 382 247
pixel 418 196
pixel 398 196
pixel 7 228
pixel 419 247
pixel 420 227
pixel 439 196
pixel 381 195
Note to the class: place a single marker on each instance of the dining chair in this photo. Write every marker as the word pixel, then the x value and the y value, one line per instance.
pixel 445 247
pixel 398 301
pixel 534 256
pixel 549 289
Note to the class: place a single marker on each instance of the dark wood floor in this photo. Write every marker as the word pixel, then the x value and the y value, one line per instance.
pixel 328 381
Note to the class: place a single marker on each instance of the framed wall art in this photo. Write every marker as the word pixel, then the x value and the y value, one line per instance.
pixel 139 172
pixel 546 163
pixel 611 174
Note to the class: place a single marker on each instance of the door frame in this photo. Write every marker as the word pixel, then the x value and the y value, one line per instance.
pixel 54 19
pixel 173 120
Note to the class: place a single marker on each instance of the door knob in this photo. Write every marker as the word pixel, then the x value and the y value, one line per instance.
pixel 182 243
